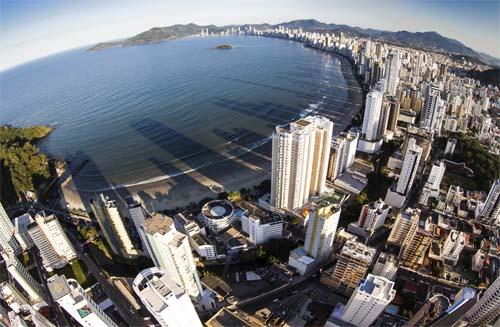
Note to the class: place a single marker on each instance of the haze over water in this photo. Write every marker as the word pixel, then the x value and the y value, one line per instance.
pixel 143 113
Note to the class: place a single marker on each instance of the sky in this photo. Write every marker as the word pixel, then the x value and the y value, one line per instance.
pixel 32 29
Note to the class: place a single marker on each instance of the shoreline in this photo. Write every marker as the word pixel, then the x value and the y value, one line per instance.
pixel 168 193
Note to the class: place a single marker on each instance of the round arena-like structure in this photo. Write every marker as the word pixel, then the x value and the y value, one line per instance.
pixel 217 215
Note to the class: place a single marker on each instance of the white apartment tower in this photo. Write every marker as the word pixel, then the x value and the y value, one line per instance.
pixel 112 226
pixel 169 304
pixel 453 246
pixel 368 301
pixel 260 225
pixel 372 216
pixel 386 266
pixel 433 111
pixel 78 304
pixel 373 114
pixel 410 166
pixel 52 242
pixel 487 310
pixel 392 72
pixel 300 161
pixel 7 239
pixel 321 228
pixel 491 208
pixel 23 278
pixel 171 251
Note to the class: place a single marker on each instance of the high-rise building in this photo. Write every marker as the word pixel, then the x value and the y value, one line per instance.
pixel 112 226
pixel 491 209
pixel 396 194
pixel 486 311
pixel 371 218
pixel 53 245
pixel 169 304
pixel 453 246
pixel 353 263
pixel 409 170
pixel 414 247
pixel 138 215
pixel 406 221
pixel 321 227
pixel 390 114
pixel 21 224
pixel 171 251
pixel 373 113
pixel 260 225
pixel 368 301
pixel 386 266
pixel 77 303
pixel 300 161
pixel 336 158
pixel 23 278
pixel 7 239
pixel 392 72
pixel 432 187
pixel 432 114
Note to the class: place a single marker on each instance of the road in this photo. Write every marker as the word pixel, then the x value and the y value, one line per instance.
pixel 124 308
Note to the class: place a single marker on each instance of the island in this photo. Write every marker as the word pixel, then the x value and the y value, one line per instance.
pixel 224 47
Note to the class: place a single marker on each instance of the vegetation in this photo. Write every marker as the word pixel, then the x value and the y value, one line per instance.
pixel 351 212
pixel 486 166
pixel 26 168
pixel 77 270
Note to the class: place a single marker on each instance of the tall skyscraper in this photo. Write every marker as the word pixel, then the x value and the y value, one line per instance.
pixel 453 246
pixel 53 245
pixel 169 304
pixel 392 72
pixel 373 114
pixel 487 310
pixel 353 262
pixel 7 239
pixel 409 170
pixel 434 109
pixel 300 161
pixel 368 301
pixel 112 226
pixel 23 277
pixel 396 194
pixel 491 208
pixel 171 251
pixel 321 228
pixel 336 158
pixel 77 303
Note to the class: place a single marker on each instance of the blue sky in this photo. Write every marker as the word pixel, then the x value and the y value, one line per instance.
pixel 34 28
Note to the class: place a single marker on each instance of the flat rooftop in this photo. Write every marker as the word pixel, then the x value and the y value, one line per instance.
pixel 255 212
pixel 58 286
pixel 225 318
pixel 358 251
pixel 158 224
pixel 217 209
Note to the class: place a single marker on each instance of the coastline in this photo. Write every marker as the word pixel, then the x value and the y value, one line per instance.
pixel 194 186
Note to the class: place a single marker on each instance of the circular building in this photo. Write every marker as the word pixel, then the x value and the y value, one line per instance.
pixel 217 215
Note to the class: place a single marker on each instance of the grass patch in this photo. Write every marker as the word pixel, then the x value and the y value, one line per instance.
pixel 77 270
pixel 102 247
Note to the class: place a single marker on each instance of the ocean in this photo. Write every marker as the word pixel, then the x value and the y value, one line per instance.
pixel 149 113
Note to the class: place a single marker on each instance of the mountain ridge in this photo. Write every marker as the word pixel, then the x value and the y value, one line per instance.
pixel 428 40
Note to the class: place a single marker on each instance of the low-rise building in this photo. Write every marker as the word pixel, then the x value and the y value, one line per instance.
pixel 260 225
pixel 300 261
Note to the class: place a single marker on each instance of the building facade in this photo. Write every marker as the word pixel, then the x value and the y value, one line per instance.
pixel 321 228
pixel 300 161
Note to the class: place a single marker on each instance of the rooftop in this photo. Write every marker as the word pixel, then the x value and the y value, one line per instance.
pixel 225 318
pixel 358 251
pixel 379 287
pixel 58 286
pixel 255 212
pixel 158 224
pixel 217 209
